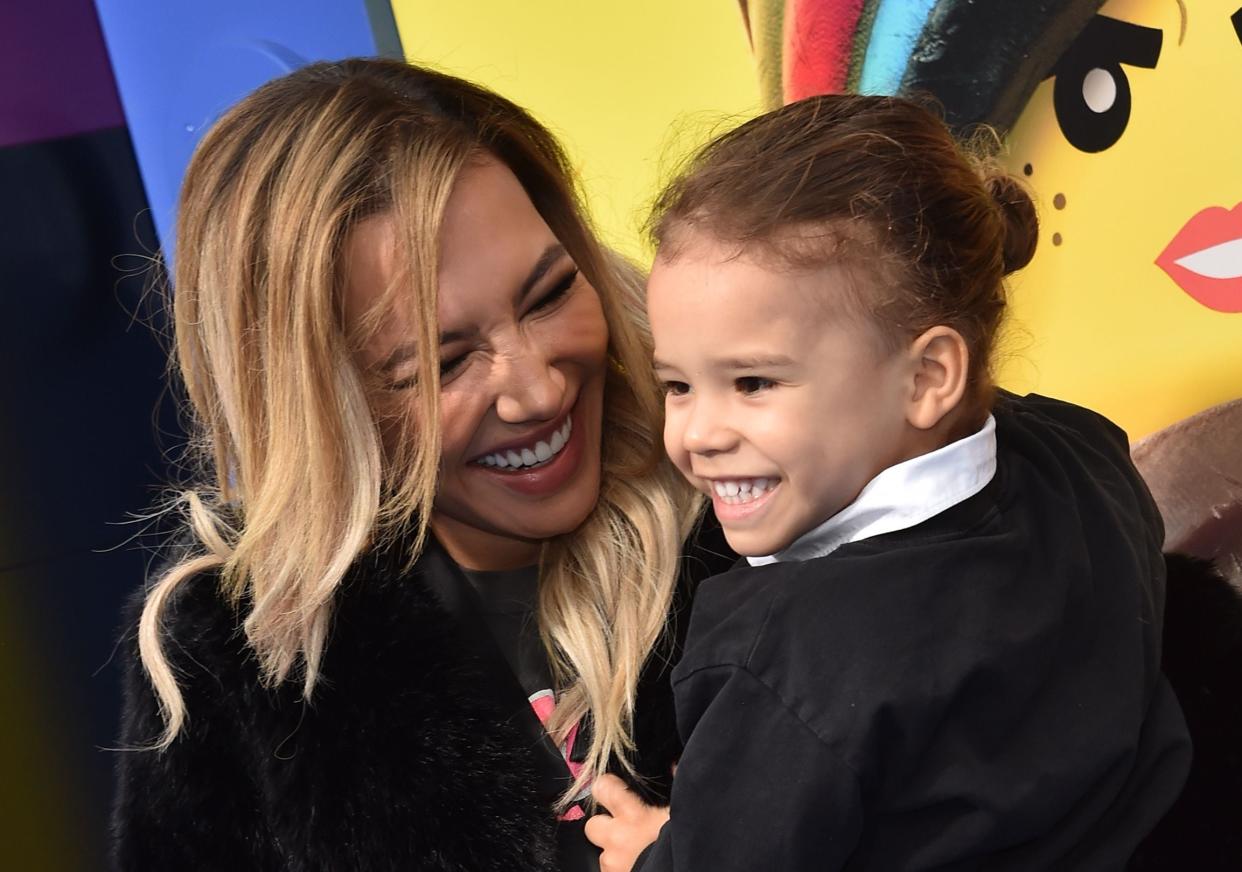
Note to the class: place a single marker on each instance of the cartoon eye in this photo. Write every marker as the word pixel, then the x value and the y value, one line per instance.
pixel 1092 106
pixel 1091 94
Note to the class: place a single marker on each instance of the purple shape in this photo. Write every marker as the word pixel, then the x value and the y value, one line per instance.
pixel 57 80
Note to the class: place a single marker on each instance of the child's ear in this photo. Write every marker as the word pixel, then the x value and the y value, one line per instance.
pixel 939 365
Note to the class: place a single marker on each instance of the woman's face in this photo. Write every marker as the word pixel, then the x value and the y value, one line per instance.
pixel 523 353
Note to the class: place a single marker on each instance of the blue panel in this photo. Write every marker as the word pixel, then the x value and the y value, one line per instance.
pixel 179 64
pixel 894 32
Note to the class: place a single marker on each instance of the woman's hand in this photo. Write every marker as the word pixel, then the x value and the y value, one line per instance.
pixel 630 826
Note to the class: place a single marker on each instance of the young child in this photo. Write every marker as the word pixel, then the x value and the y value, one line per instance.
pixel 945 651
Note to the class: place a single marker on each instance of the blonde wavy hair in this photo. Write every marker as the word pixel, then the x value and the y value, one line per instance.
pixel 296 483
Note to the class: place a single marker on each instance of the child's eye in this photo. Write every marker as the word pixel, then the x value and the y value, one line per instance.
pixel 675 388
pixel 753 384
pixel 557 292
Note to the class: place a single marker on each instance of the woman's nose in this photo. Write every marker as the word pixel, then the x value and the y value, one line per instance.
pixel 531 388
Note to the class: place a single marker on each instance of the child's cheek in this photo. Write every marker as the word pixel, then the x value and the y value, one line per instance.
pixel 674 425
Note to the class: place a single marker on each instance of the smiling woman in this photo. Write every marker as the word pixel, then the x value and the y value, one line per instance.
pixel 523 351
pixel 435 541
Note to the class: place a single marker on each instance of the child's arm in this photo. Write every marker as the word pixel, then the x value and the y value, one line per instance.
pixel 629 825
pixel 756 788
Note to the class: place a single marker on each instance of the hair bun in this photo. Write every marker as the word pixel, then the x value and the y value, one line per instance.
pixel 1021 222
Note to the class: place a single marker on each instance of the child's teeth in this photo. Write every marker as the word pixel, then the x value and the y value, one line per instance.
pixel 742 490
pixel 540 452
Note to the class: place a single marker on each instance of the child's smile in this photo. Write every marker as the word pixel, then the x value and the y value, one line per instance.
pixel 780 404
pixel 739 500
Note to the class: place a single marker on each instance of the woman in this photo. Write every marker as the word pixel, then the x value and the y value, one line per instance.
pixel 437 514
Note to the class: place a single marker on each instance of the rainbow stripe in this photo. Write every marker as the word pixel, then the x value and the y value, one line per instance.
pixel 894 33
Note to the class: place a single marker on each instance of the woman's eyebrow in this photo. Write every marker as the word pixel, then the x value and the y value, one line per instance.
pixel 550 256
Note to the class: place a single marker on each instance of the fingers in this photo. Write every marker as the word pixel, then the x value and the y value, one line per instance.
pixel 629 828
pixel 611 863
pixel 598 829
pixel 614 841
pixel 613 794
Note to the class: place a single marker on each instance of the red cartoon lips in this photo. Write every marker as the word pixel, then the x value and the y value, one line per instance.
pixel 1205 258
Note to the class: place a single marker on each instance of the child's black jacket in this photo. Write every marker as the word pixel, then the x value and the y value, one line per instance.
pixel 981 691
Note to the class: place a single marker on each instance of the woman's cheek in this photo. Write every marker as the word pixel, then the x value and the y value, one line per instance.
pixel 589 324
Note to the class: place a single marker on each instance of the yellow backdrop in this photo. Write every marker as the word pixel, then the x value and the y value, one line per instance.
pixel 632 86
pixel 629 87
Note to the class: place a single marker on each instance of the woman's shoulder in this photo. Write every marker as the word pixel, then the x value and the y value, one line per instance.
pixel 195 598
pixel 196 626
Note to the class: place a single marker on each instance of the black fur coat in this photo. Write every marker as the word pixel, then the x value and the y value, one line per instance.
pixel 409 757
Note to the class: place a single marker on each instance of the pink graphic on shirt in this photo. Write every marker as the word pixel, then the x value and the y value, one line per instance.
pixel 544 703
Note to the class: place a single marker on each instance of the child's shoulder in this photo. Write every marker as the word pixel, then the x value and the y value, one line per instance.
pixel 1046 418
pixel 846 616
pixel 1055 452
pixel 847 641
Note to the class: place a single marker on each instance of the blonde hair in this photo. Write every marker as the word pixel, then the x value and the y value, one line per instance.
pixel 296 481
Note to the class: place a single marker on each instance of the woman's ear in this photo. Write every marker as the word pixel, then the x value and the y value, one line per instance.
pixel 939 364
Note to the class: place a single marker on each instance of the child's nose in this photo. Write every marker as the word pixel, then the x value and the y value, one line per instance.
pixel 531 388
pixel 707 429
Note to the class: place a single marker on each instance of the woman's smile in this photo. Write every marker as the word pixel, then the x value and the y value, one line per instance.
pixel 537 465
pixel 536 449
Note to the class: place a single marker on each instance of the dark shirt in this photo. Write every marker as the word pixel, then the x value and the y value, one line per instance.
pixel 980 691
pixel 498 611
pixel 508 602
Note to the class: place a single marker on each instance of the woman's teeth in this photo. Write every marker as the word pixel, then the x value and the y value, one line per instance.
pixel 743 490
pixel 533 455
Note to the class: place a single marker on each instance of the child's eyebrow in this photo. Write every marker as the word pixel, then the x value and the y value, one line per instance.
pixel 760 361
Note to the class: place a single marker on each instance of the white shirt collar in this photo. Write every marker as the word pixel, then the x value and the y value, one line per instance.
pixel 902 496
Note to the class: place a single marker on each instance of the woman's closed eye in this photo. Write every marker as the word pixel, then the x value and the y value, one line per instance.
pixel 559 290
pixel 449 367
pixel 753 384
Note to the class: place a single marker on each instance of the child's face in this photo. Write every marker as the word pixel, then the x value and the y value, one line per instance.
pixel 780 404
